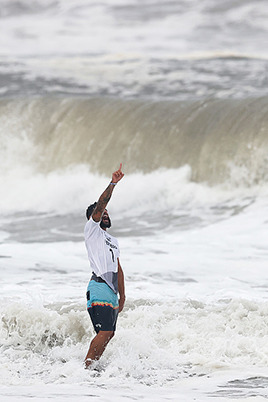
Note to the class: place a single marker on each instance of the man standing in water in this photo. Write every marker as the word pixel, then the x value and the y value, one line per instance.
pixel 107 275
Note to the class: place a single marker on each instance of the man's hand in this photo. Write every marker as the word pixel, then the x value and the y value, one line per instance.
pixel 118 175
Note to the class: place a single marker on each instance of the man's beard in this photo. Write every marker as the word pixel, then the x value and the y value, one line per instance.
pixel 106 225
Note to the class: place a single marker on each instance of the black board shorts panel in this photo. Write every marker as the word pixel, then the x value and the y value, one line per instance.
pixel 103 317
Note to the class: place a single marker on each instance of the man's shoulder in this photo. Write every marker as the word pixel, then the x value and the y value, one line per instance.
pixel 91 226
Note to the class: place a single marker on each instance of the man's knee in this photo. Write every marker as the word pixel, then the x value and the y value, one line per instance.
pixel 102 338
pixel 107 335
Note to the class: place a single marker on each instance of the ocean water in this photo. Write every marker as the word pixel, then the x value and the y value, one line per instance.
pixel 177 92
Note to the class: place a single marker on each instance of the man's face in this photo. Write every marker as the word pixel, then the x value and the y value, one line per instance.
pixel 105 220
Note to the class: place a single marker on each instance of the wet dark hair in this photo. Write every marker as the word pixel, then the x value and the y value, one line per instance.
pixel 90 209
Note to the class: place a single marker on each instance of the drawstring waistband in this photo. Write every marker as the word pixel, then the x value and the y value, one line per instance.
pixel 97 278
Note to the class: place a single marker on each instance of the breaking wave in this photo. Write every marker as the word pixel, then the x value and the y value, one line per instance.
pixel 215 137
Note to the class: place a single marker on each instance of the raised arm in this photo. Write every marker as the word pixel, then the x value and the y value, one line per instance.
pixel 106 195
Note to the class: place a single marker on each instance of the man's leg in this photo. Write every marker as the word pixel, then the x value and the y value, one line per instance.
pixel 97 346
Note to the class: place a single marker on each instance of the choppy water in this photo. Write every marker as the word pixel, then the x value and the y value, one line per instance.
pixel 176 91
pixel 150 49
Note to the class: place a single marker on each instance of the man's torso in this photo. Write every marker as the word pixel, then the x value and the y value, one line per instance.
pixel 103 253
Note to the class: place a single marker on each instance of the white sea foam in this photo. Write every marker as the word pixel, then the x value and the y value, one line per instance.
pixel 69 190
pixel 156 344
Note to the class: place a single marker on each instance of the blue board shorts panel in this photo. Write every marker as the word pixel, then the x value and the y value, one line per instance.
pixel 102 306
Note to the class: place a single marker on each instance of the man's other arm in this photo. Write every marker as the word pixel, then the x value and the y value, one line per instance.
pixel 121 287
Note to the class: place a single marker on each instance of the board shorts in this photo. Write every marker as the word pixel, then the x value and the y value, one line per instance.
pixel 102 306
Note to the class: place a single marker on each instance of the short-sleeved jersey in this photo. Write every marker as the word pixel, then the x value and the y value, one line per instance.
pixel 103 252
